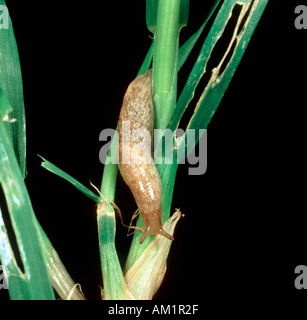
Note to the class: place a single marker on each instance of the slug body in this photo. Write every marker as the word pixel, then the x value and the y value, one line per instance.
pixel 136 165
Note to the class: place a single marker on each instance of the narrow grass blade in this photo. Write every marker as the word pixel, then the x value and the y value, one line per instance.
pixel 114 284
pixel 147 61
pixel 33 282
pixel 57 171
pixel 11 84
pixel 221 76
pixel 187 47
pixel 60 278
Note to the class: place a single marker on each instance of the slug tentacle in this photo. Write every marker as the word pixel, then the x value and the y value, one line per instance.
pixel 153 225
pixel 136 165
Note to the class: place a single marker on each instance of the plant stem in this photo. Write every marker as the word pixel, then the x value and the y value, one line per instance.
pixel 166 48
pixel 113 279
pixel 165 61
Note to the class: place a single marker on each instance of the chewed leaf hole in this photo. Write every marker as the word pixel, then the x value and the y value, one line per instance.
pixel 246 15
pixel 216 56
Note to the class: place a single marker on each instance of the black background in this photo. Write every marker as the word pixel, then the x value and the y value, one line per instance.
pixel 243 233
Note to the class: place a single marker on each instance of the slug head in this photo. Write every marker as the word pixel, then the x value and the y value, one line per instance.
pixel 153 226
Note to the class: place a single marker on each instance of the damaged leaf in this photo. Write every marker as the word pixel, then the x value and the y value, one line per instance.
pixel 146 275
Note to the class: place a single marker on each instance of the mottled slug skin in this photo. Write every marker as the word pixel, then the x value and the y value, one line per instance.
pixel 135 130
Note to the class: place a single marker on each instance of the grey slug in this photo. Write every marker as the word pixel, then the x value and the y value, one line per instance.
pixel 136 165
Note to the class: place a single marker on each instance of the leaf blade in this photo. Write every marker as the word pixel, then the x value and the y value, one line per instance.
pixel 11 84
pixel 218 83
pixel 34 282
pixel 62 174
pixel 187 47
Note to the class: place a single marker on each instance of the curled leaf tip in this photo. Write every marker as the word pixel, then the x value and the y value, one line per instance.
pixel 43 159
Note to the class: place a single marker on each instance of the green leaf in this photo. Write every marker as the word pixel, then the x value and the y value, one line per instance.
pixel 57 171
pixel 34 282
pixel 200 66
pixel 113 279
pixel 187 47
pixel 147 61
pixel 11 84
pixel 222 74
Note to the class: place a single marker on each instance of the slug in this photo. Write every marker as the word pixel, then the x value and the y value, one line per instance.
pixel 136 164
